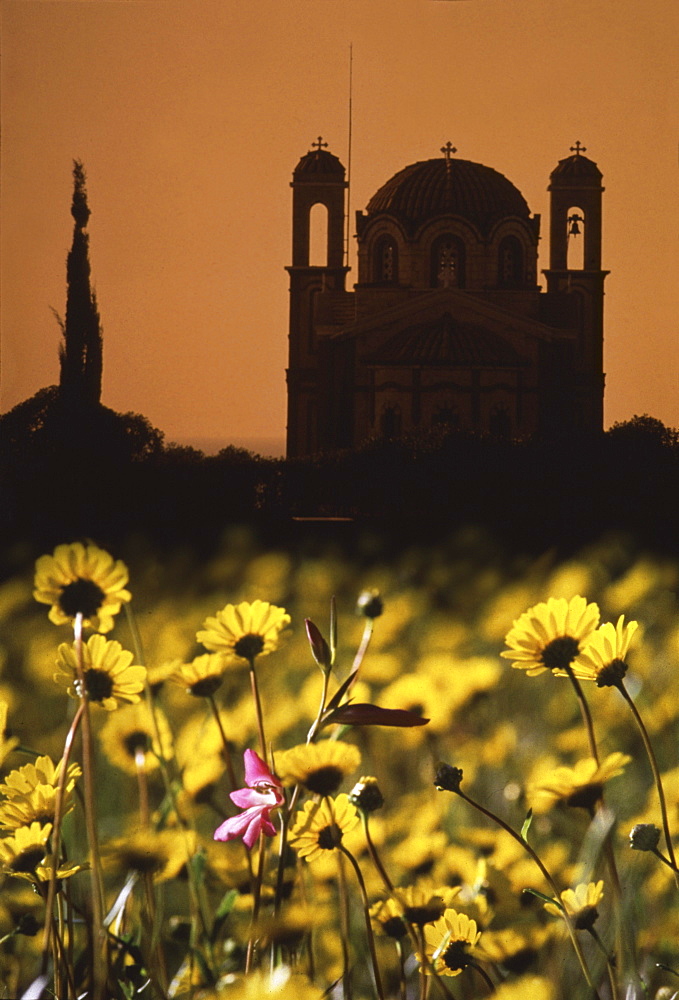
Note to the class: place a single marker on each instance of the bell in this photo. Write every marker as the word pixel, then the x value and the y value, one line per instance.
pixel 575 228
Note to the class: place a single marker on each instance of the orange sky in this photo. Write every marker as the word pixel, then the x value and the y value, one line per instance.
pixel 190 116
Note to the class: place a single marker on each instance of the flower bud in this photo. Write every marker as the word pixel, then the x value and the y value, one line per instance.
pixel 644 837
pixel 366 795
pixel 370 604
pixel 448 778
pixel 319 647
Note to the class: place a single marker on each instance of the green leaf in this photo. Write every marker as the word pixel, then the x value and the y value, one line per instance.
pixel 545 899
pixel 526 825
pixel 228 900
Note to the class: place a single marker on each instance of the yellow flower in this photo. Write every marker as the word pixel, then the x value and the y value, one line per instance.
pixel 43 871
pixel 580 904
pixel 550 636
pixel 534 987
pixel 387 917
pixel 581 785
pixel 129 740
pixel 422 906
pixel 161 854
pixel 320 826
pixel 31 793
pixel 109 678
pixel 25 850
pixel 203 676
pixel 81 579
pixel 450 941
pixel 281 984
pixel 320 767
pixel 603 658
pixel 245 630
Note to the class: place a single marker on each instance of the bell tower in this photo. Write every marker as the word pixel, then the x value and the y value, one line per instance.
pixel 575 276
pixel 318 193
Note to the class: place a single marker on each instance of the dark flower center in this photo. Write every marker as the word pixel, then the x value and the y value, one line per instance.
pixel 455 956
pixel 560 652
pixel 98 684
pixel 249 646
pixel 137 741
pixel 426 913
pixel 29 859
pixel 586 797
pixel 395 927
pixel 330 837
pixel 144 862
pixel 612 674
pixel 206 686
pixel 324 780
pixel 586 918
pixel 81 596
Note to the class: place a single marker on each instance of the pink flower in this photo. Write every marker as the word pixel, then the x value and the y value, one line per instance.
pixel 262 795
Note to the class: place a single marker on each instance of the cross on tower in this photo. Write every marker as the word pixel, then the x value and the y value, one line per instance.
pixel 448 150
pixel 577 148
pixel 319 144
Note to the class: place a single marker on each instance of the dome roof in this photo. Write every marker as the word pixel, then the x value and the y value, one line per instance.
pixel 444 186
pixel 576 168
pixel 317 163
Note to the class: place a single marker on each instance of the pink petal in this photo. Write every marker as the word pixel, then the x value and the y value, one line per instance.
pixel 234 827
pixel 247 798
pixel 256 770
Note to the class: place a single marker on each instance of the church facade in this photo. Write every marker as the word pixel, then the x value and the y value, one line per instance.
pixel 446 325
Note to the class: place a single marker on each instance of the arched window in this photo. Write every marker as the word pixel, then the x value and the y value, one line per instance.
pixel 390 422
pixel 575 239
pixel 385 261
pixel 318 235
pixel 500 422
pixel 510 263
pixel 447 417
pixel 447 262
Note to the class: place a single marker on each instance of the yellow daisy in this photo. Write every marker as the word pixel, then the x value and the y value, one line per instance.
pixel 581 785
pixel 31 793
pixel 319 767
pixel 203 676
pixel 550 636
pixel 580 904
pixel 25 850
pixel 320 826
pixel 245 630
pixel 603 658
pixel 422 905
pixel 109 677
pixel 387 917
pixel 161 853
pixel 81 579
pixel 128 738
pixel 450 942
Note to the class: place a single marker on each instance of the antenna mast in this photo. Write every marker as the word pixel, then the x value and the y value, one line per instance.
pixel 346 236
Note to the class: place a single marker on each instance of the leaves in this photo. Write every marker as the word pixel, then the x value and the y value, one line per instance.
pixel 363 714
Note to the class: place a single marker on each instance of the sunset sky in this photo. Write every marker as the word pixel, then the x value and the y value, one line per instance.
pixel 190 116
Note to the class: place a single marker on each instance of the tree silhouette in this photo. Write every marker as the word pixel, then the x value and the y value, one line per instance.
pixel 81 354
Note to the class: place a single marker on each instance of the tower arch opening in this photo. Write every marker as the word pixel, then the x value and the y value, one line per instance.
pixel 318 235
pixel 447 262
pixel 575 238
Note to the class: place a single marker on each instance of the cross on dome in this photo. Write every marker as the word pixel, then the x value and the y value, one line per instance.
pixel 319 144
pixel 577 148
pixel 448 150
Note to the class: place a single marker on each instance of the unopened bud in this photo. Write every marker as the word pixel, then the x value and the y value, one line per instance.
pixel 370 604
pixel 448 778
pixel 644 837
pixel 319 647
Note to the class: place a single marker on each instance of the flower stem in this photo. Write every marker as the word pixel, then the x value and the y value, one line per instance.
pixel 656 775
pixel 366 914
pixel 258 709
pixel 546 875
pixel 225 743
pixel 389 885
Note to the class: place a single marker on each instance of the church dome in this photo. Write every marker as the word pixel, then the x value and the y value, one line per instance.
pixel 446 186
pixel 316 164
pixel 576 168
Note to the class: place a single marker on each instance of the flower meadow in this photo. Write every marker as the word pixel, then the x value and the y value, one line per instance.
pixel 337 770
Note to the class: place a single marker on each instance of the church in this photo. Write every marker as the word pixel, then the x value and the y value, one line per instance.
pixel 446 326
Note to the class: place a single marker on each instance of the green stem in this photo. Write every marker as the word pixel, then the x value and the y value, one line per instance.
pixel 389 885
pixel 656 775
pixel 484 975
pixel 225 743
pixel 258 709
pixel 366 914
pixel 257 896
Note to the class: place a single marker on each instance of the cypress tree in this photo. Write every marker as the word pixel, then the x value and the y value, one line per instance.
pixel 81 354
